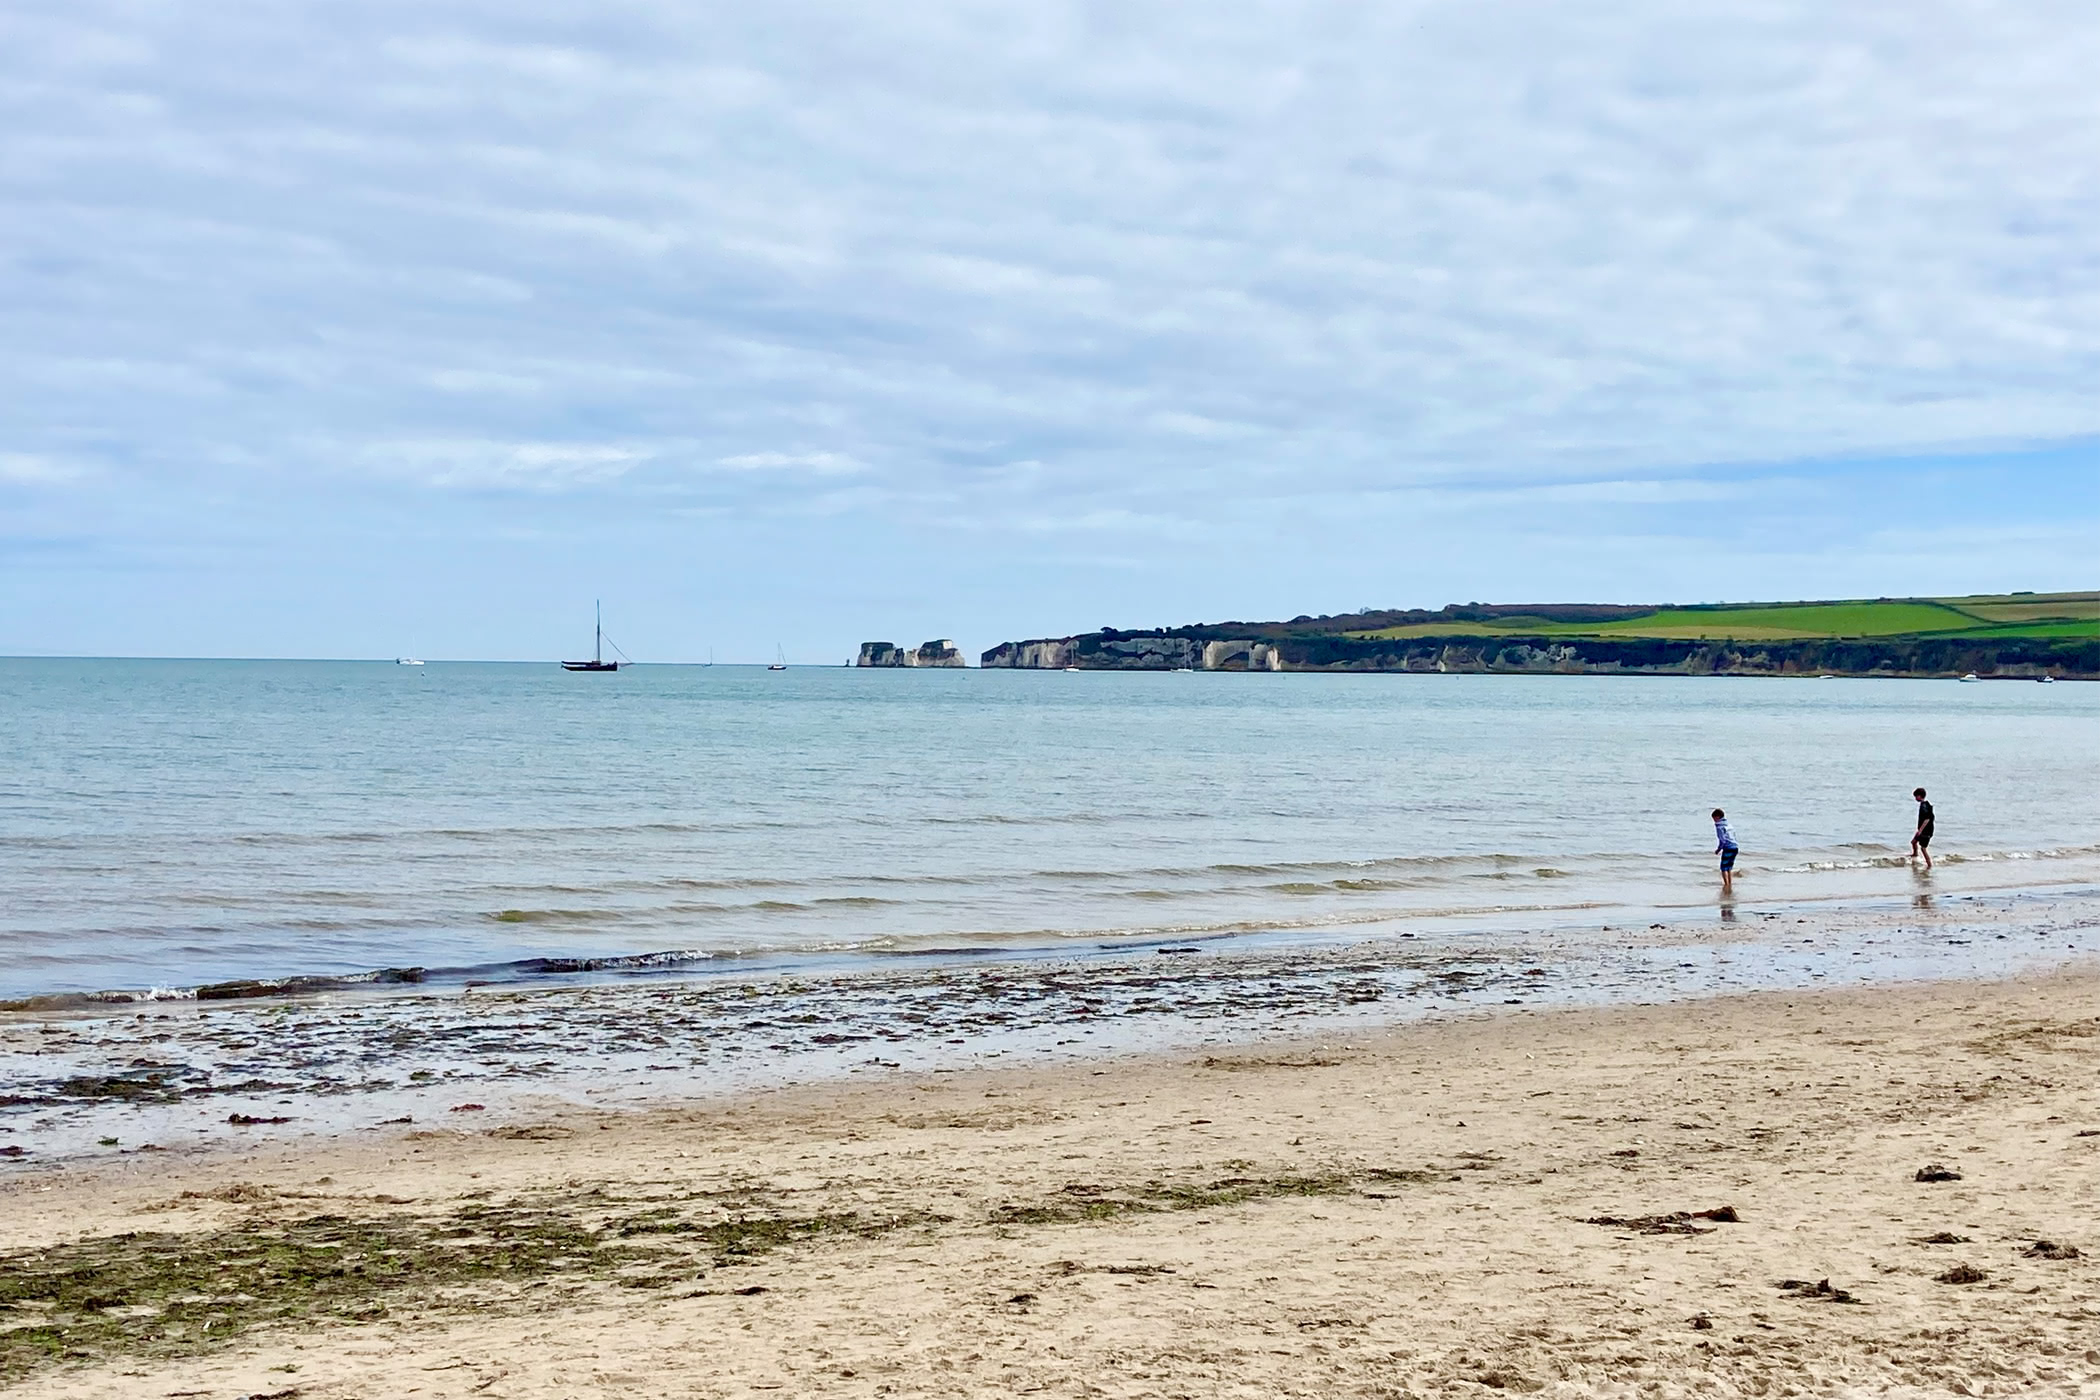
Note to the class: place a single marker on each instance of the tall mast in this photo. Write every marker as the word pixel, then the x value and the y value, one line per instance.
pixel 598 632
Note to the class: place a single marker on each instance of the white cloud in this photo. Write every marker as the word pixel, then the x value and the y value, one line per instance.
pixel 821 463
pixel 1100 522
pixel 1622 493
pixel 25 469
pixel 467 381
pixel 1189 263
pixel 462 462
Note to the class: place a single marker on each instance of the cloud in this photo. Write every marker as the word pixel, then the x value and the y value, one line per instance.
pixel 1193 263
pixel 26 469
pixel 821 463
pixel 471 463
pixel 1642 492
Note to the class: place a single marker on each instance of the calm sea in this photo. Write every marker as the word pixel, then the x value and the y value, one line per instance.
pixel 165 824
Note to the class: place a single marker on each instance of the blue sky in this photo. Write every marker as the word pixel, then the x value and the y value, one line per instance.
pixel 347 330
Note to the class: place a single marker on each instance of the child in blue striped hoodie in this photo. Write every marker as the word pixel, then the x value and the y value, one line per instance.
pixel 1724 843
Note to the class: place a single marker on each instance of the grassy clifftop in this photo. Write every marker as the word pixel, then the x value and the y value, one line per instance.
pixel 2010 634
pixel 1984 616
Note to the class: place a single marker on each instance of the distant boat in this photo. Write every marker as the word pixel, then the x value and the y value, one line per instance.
pixel 780 659
pixel 597 661
pixel 406 661
pixel 2046 680
pixel 1972 676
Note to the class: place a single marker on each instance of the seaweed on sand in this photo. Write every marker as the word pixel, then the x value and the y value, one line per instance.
pixel 1678 1222
pixel 179 1294
pixel 1087 1201
pixel 164 1294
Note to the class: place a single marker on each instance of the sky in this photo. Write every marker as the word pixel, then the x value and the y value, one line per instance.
pixel 414 326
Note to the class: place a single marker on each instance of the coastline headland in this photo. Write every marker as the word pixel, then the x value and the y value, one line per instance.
pixel 2011 636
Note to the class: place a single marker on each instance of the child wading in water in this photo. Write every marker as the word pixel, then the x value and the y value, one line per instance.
pixel 1921 839
pixel 1724 843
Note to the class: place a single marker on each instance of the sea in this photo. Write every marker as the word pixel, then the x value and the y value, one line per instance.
pixel 167 825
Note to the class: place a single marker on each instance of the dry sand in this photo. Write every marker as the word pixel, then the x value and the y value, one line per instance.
pixel 1406 1213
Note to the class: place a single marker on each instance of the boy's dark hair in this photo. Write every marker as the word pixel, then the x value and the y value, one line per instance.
pixel 1917 792
pixel 1719 814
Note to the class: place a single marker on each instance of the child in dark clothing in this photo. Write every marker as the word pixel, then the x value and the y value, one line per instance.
pixel 1921 839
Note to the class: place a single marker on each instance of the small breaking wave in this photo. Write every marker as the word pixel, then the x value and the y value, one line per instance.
pixel 1890 858
pixel 1037 942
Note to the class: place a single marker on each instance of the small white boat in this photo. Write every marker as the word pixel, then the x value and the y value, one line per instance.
pixel 1972 676
pixel 2046 680
pixel 780 659
pixel 406 661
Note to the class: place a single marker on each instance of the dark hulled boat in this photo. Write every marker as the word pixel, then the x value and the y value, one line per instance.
pixel 597 661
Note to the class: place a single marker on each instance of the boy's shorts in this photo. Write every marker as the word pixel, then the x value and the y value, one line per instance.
pixel 1728 859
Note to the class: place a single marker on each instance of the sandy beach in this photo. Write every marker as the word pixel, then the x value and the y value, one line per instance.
pixel 1716 1197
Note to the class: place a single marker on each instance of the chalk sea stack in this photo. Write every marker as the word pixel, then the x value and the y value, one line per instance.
pixel 941 652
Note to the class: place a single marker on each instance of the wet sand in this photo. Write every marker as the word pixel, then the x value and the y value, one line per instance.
pixel 1716 1197
pixel 82 1081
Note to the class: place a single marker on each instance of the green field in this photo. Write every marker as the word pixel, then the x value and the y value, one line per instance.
pixel 1982 617
pixel 1811 620
pixel 2086 627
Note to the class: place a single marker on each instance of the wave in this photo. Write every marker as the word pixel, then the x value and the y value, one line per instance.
pixel 1892 858
pixel 405 903
pixel 936 897
pixel 485 835
pixel 524 971
pixel 891 914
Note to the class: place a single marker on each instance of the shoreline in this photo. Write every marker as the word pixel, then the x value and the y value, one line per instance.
pixel 1507 1201
pixel 1957 877
pixel 115 1080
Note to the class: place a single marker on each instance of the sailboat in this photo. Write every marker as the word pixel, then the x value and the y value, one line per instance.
pixel 597 661
pixel 780 659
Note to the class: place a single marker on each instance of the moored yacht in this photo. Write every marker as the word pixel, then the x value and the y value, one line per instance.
pixel 597 661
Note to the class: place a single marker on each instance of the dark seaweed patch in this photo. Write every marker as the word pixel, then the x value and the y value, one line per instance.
pixel 2049 1249
pixel 1675 1223
pixel 1083 1201
pixel 180 1294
